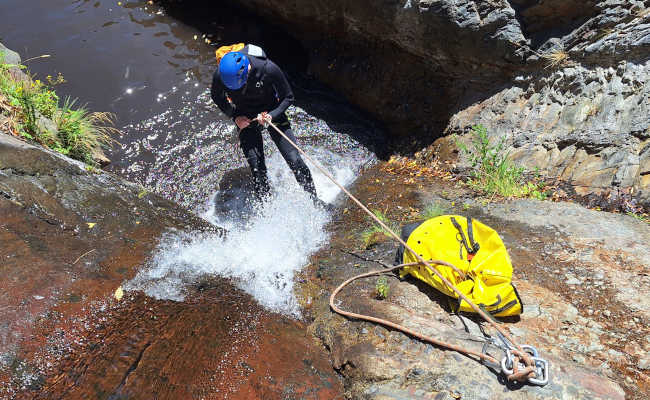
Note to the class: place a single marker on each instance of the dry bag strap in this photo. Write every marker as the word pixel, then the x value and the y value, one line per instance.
pixel 473 247
pixel 470 235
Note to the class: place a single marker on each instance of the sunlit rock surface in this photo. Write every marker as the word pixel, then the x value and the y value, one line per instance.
pixel 580 273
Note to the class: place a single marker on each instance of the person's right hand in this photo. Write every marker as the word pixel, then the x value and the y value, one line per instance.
pixel 242 122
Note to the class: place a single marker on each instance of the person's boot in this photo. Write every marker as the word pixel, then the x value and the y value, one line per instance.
pixel 330 208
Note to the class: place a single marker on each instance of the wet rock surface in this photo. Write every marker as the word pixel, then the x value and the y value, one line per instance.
pixel 9 56
pixel 70 237
pixel 580 274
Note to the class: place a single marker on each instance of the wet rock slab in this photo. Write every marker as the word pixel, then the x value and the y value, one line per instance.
pixel 579 273
pixel 219 344
pixel 70 237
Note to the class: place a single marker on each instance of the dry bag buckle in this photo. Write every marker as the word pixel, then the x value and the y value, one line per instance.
pixel 541 365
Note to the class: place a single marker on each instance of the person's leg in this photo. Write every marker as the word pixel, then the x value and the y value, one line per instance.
pixel 250 141
pixel 292 156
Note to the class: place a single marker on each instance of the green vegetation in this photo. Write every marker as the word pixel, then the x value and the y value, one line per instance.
pixel 433 210
pixel 641 217
pixel 27 105
pixel 92 169
pixel 492 171
pixel 82 132
pixel 376 233
pixel 382 287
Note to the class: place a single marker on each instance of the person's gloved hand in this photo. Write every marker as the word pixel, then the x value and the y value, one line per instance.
pixel 264 118
pixel 242 122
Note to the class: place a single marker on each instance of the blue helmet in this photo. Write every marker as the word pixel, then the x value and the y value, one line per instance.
pixel 233 69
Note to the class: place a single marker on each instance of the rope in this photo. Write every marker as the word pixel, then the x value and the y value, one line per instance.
pixel 517 351
pixel 398 326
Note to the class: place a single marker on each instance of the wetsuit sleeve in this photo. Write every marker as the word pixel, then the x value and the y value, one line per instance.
pixel 282 89
pixel 218 94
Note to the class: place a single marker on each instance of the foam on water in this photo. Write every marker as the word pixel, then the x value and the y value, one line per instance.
pixel 190 154
pixel 263 250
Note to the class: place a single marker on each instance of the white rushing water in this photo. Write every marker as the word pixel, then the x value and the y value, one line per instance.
pixel 266 245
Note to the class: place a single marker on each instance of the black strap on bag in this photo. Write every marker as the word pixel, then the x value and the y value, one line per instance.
pixel 472 248
pixel 470 233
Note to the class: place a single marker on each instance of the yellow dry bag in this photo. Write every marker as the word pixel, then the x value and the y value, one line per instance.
pixel 223 50
pixel 476 250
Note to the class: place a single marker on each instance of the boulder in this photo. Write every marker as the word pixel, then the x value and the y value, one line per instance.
pixel 8 56
pixel 578 272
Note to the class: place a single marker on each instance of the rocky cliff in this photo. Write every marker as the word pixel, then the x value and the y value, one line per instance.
pixel 563 80
pixel 583 116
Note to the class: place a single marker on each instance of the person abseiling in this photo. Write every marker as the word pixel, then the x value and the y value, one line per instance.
pixel 252 90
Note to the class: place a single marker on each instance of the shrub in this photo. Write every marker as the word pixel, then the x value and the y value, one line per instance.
pixel 492 171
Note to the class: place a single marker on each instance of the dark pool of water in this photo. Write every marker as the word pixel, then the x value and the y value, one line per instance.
pixel 133 59
pixel 152 67
pixel 115 58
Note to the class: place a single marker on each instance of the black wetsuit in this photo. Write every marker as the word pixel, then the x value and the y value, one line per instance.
pixel 266 89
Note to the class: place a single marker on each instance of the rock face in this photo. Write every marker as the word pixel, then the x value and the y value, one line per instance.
pixel 563 80
pixel 584 120
pixel 409 62
pixel 579 273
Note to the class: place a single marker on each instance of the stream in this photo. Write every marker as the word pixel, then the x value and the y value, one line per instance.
pixel 152 67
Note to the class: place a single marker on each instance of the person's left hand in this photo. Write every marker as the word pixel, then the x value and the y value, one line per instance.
pixel 242 122
pixel 264 118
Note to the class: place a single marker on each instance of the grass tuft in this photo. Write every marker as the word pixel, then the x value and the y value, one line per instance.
pixel 640 217
pixel 642 12
pixel 82 132
pixel 433 210
pixel 26 105
pixel 556 58
pixel 492 171
pixel 376 233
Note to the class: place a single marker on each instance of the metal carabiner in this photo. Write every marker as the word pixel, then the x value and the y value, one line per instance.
pixel 484 350
pixel 541 367
pixel 508 363
pixel 541 371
